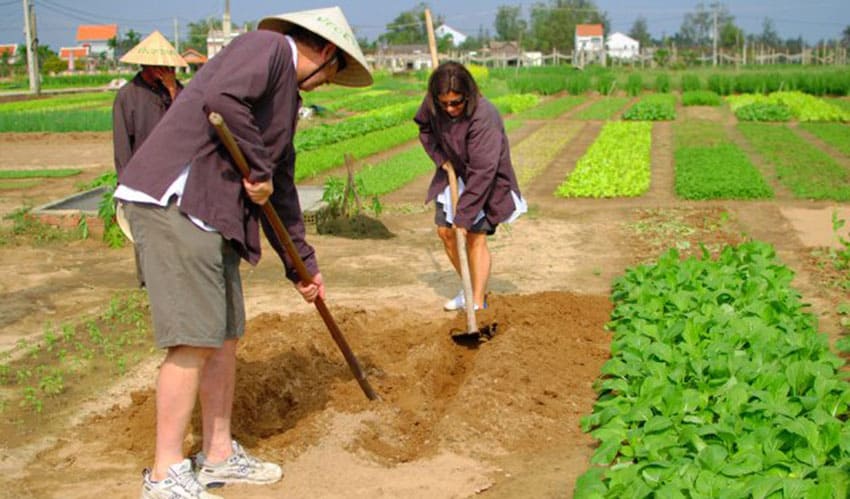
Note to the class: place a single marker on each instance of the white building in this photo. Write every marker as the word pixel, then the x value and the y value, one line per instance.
pixel 589 44
pixel 457 37
pixel 96 37
pixel 620 46
pixel 589 38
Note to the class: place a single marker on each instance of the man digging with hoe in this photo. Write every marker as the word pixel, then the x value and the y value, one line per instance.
pixel 193 217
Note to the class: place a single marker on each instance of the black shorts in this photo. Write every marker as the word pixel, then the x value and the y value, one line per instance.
pixel 480 227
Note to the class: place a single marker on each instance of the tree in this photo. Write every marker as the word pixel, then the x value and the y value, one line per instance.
pixel 640 32
pixel 509 25
pixel 365 44
pixel 553 25
pixel 408 27
pixel 472 43
pixel 198 31
pixel 795 45
pixel 845 37
pixel 121 46
pixel 769 36
pixel 697 28
pixel 730 36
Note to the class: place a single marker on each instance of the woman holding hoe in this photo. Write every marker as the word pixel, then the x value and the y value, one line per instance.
pixel 459 125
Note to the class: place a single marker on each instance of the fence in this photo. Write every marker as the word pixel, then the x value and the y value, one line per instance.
pixel 651 58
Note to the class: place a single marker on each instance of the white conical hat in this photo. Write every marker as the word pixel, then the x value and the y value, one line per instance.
pixel 331 25
pixel 154 51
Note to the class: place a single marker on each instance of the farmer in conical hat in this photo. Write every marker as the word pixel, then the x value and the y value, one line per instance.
pixel 193 217
pixel 140 105
pixel 142 102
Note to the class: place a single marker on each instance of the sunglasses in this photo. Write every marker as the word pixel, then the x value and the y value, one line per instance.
pixel 452 103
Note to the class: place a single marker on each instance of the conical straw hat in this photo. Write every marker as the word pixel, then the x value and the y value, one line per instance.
pixel 331 25
pixel 154 51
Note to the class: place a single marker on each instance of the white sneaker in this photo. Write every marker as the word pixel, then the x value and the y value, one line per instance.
pixel 456 303
pixel 240 467
pixel 179 484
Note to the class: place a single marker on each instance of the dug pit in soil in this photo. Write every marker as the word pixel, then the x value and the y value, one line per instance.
pixel 446 410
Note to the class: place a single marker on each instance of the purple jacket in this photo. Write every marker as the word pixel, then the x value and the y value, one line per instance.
pixel 137 109
pixel 479 151
pixel 252 84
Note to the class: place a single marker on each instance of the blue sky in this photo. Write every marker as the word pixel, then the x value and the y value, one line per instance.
pixel 57 19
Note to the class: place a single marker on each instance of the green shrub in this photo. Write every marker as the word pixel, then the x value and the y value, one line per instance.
pixel 577 83
pixel 690 82
pixel 721 84
pixel 662 83
pixel 700 98
pixel 759 111
pixel 606 83
pixel 634 85
pixel 655 107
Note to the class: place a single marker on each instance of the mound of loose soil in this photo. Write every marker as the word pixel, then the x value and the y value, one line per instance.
pixel 358 226
pixel 446 410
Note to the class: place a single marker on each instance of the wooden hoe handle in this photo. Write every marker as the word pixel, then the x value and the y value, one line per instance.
pixel 303 273
pixel 462 255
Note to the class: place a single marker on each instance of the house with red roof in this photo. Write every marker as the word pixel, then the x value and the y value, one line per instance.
pixel 76 53
pixel 77 57
pixel 96 37
pixel 589 44
pixel 9 53
pixel 194 58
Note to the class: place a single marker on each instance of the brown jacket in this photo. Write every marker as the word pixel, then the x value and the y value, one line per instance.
pixel 252 84
pixel 479 151
pixel 137 109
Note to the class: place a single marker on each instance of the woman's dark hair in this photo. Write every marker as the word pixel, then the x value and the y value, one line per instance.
pixel 452 77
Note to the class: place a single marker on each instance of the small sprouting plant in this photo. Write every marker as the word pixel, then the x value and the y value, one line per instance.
pixel 842 255
pixel 69 333
pixel 22 375
pixel 52 384
pixel 32 400
pixel 83 227
pixel 343 197
pixel 95 334
pixel 50 338
pixel 843 343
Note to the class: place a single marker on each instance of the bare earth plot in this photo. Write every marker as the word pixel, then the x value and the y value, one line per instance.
pixel 501 421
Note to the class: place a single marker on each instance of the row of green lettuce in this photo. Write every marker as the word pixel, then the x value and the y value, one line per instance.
pixel 776 106
pixel 784 106
pixel 719 385
pixel 709 164
pixel 830 80
pixel 322 147
pixel 815 80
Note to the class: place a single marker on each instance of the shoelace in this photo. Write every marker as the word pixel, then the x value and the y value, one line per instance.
pixel 189 483
pixel 242 457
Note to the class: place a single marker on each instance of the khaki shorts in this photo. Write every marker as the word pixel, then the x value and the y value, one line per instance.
pixel 192 278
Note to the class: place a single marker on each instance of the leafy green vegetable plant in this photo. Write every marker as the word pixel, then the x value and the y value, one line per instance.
pixel 655 107
pixel 701 98
pixel 809 172
pixel 719 385
pixel 616 164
